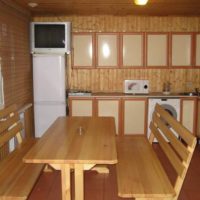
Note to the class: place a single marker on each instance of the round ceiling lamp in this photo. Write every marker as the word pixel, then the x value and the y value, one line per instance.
pixel 32 4
pixel 140 2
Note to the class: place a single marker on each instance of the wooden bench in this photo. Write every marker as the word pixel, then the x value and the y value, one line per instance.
pixel 140 174
pixel 16 178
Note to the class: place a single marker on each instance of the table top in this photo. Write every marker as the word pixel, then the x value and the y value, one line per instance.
pixel 65 142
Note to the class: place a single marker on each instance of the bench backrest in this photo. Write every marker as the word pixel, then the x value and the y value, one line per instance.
pixel 10 125
pixel 176 141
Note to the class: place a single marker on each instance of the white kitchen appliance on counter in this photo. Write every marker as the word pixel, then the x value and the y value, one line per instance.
pixel 136 86
pixel 171 105
pixel 49 90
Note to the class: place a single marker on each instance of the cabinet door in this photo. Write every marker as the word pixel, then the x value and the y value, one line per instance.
pixel 83 48
pixel 107 50
pixel 80 107
pixel 198 119
pixel 181 49
pixel 157 50
pixel 197 53
pixel 110 107
pixel 188 115
pixel 132 46
pixel 134 116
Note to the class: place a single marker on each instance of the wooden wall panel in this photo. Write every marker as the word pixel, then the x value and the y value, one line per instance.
pixel 108 80
pixel 107 23
pixel 14 54
pixel 15 57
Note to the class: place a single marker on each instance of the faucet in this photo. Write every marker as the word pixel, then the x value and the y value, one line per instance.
pixel 197 91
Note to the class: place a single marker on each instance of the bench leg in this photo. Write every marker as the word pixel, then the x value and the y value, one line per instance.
pixel 65 182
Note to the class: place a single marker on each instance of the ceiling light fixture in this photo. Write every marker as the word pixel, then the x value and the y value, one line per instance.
pixel 140 2
pixel 32 4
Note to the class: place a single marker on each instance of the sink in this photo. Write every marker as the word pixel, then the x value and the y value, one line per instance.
pixel 189 93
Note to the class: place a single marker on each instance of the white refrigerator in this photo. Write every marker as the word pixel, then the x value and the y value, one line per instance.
pixel 48 90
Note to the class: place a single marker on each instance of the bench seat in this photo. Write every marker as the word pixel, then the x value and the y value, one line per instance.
pixel 17 178
pixel 147 178
pixel 140 174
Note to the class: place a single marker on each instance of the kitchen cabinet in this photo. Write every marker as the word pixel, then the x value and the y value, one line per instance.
pixel 134 116
pixel 133 49
pixel 110 107
pixel 130 113
pixel 81 106
pixel 157 49
pixel 107 49
pixel 181 49
pixel 83 50
pixel 198 119
pixel 188 113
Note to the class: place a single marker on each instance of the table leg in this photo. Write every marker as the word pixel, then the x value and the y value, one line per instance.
pixel 65 182
pixel 79 185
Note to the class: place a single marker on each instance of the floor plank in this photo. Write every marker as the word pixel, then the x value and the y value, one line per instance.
pixel 104 186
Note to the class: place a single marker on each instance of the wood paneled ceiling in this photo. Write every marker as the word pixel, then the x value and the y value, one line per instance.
pixel 112 7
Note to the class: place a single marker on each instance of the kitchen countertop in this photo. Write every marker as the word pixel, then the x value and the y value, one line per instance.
pixel 120 94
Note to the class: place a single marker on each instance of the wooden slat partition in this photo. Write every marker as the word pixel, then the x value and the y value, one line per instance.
pixel 181 130
pixel 6 124
pixel 10 134
pixel 175 161
pixel 10 126
pixel 4 149
pixel 6 112
pixel 179 158
pixel 179 147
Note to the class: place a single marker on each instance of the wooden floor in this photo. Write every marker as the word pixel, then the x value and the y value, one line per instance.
pixel 104 186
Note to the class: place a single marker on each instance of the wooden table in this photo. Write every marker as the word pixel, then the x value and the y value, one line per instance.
pixel 76 142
